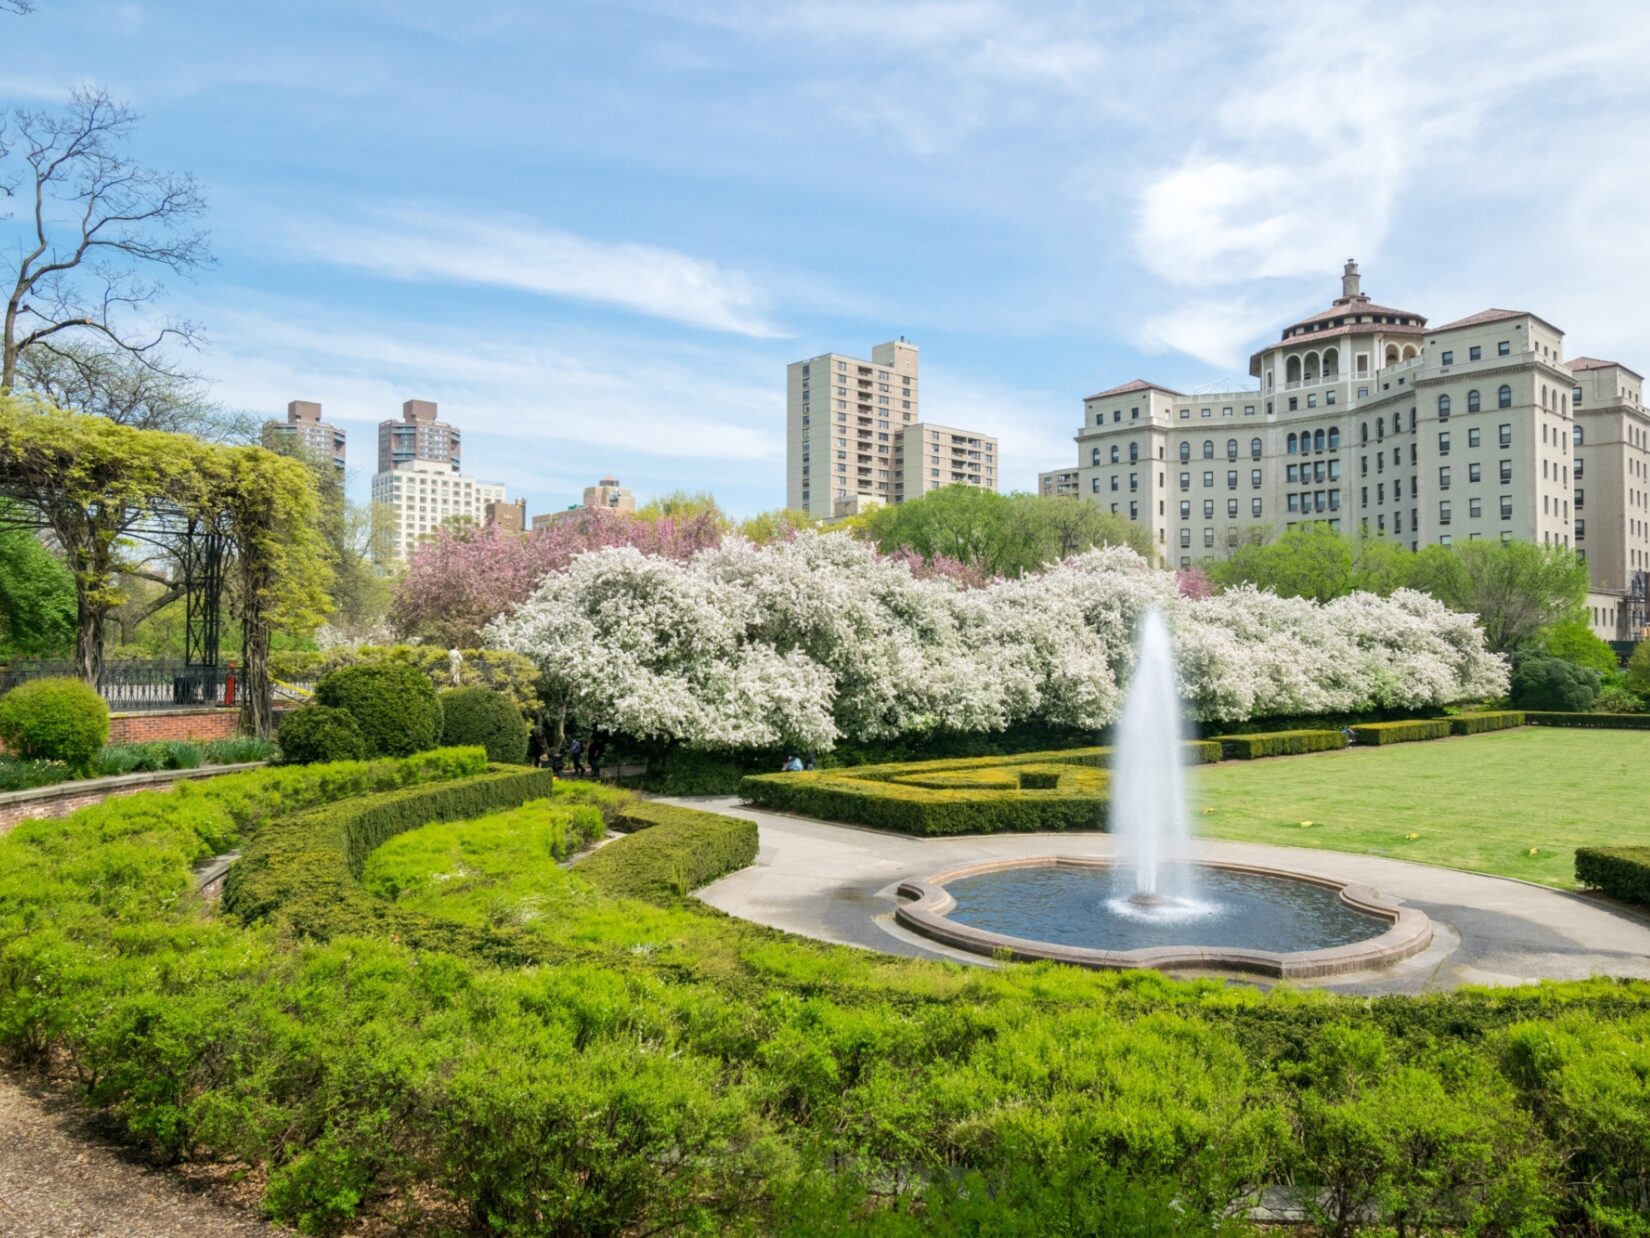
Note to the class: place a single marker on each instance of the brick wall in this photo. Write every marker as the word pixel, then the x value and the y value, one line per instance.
pixel 142 727
pixel 61 800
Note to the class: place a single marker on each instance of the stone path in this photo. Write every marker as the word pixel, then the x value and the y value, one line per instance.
pixel 59 1177
pixel 837 882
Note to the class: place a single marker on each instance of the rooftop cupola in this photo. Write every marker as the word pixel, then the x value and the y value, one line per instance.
pixel 1349 281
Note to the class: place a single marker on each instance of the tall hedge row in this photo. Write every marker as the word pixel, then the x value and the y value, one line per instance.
pixel 1620 872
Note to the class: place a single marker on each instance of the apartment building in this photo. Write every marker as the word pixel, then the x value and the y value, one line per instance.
pixel 1060 483
pixel 606 495
pixel 1366 417
pixel 304 427
pixel 853 429
pixel 510 517
pixel 422 496
pixel 418 436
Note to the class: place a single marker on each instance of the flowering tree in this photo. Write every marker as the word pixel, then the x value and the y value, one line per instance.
pixel 459 580
pixel 818 638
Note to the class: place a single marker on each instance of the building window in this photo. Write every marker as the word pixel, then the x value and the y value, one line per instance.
pixel 1208 481
pixel 1231 449
pixel 1208 537
pixel 1506 472
pixel 1134 481
pixel 1578 468
pixel 1185 481
pixel 1254 449
pixel 1443 408
pixel 1231 508
pixel 1254 479
pixel 1448 358
pixel 1581 529
pixel 1473 403
pixel 1134 510
pixel 1576 436
pixel 1094 457
pixel 1505 430
pixel 1443 477
pixel 1503 348
pixel 1443 442
pixel 1580 498
pixel 1185 537
pixel 1114 481
pixel 1293 502
pixel 1474 472
pixel 1503 397
pixel 1208 449
pixel 1208 509
pixel 1185 509
pixel 1248 410
pixel 1294 403
pixel 1475 353
pixel 1231 479
pixel 1443 512
pixel 1506 507
pixel 1185 452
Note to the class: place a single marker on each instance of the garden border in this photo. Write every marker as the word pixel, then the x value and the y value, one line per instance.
pixel 63 798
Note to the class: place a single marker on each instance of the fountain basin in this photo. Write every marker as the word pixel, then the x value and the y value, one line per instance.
pixel 1340 926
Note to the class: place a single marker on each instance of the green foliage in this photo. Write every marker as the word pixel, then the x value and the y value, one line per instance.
pixel 482 716
pixel 155 756
pixel 37 602
pixel 510 673
pixel 1400 732
pixel 18 775
pixel 1279 744
pixel 1609 722
pixel 998 534
pixel 1617 700
pixel 394 704
pixel 1573 641
pixel 321 733
pixel 1638 669
pixel 1546 683
pixel 1477 724
pixel 688 771
pixel 670 852
pixel 1621 872
pixel 55 720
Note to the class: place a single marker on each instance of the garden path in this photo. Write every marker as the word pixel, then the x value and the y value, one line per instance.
pixel 837 882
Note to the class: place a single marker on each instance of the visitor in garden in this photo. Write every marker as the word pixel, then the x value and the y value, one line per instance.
pixel 593 752
pixel 575 754
pixel 793 765
pixel 808 762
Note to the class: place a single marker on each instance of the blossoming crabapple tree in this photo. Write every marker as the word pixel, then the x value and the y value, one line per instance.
pixel 816 639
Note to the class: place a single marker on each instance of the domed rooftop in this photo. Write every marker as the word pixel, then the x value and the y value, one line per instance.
pixel 1353 308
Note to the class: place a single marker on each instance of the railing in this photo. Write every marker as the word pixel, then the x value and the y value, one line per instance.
pixel 137 685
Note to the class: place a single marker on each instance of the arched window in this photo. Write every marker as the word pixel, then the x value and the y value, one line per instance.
pixel 1292 370
pixel 1094 456
pixel 1443 407
pixel 1208 449
pixel 1543 395
pixel 1292 447
pixel 1392 354
pixel 1134 453
pixel 1363 432
pixel 1576 436
pixel 1504 396
pixel 1334 438
pixel 1331 363
pixel 1115 455
pixel 1231 449
pixel 1185 452
pixel 1472 401
pixel 1317 440
pixel 1254 449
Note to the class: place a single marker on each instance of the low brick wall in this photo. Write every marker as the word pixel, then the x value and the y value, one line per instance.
pixel 66 797
pixel 142 726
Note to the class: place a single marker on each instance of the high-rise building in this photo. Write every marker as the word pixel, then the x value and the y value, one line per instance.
pixel 606 495
pixel 847 427
pixel 511 517
pixel 417 436
pixel 422 496
pixel 303 426
pixel 1368 419
pixel 1062 483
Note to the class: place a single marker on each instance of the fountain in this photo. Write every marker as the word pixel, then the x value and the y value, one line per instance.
pixel 1151 904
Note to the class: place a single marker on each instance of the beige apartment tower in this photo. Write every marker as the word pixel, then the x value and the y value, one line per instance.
pixel 1368 419
pixel 1060 483
pixel 855 438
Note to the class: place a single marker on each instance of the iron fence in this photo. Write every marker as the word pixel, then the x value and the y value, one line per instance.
pixel 137 685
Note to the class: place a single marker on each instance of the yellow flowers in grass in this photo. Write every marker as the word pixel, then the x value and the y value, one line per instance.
pixel 1411 837
pixel 1306 825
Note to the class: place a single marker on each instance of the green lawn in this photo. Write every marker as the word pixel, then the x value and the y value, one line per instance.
pixel 1480 802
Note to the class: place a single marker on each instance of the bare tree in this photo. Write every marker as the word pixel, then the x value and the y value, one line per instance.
pixel 99 221
pixel 19 7
pixel 144 393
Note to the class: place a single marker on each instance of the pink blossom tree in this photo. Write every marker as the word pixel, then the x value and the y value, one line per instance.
pixel 459 580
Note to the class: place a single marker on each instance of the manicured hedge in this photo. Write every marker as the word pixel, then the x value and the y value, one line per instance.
pixel 1279 744
pixel 482 716
pixel 394 704
pixel 55 720
pixel 1477 724
pixel 1621 872
pixel 1621 722
pixel 1400 732
pixel 319 733
pixel 669 852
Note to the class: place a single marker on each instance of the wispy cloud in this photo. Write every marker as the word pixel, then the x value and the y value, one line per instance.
pixel 504 253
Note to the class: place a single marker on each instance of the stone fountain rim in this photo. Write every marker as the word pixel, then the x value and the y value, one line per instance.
pixel 1408 933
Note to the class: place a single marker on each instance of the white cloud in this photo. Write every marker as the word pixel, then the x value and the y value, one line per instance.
pixel 500 253
pixel 1026 423
pixel 1216 330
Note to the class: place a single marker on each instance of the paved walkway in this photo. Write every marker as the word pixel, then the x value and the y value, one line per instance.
pixel 60 1177
pixel 837 882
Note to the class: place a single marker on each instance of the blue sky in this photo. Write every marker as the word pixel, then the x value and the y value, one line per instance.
pixel 590 231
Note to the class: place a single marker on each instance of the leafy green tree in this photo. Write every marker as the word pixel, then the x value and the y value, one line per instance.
pixel 1541 682
pixel 781 522
pixel 682 505
pixel 1515 588
pixel 1310 561
pixel 1573 641
pixel 1638 669
pixel 37 601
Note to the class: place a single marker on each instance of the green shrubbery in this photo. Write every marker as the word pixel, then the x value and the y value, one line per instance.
pixel 1621 872
pixel 157 755
pixel 482 716
pixel 1478 723
pixel 393 703
pixel 55 720
pixel 1400 732
pixel 1279 744
pixel 669 852
pixel 1541 682
pixel 1611 722
pixel 318 733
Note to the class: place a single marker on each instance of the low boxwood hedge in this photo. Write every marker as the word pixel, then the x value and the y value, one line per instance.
pixel 1279 744
pixel 1620 872
pixel 1477 724
pixel 1400 732
pixel 1622 722
pixel 669 852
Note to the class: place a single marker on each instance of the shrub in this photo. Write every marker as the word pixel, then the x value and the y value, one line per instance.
pixel 670 853
pixel 1550 683
pixel 394 704
pixel 1573 641
pixel 55 720
pixel 320 733
pixel 1477 724
pixel 18 775
pixel 1400 732
pixel 1614 700
pixel 1279 744
pixel 482 716
pixel 1621 872
pixel 1607 722
pixel 1638 669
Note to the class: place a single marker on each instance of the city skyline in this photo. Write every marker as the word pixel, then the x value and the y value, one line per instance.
pixel 600 279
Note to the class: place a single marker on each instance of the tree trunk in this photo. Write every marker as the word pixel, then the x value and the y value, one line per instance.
pixel 88 637
pixel 257 692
